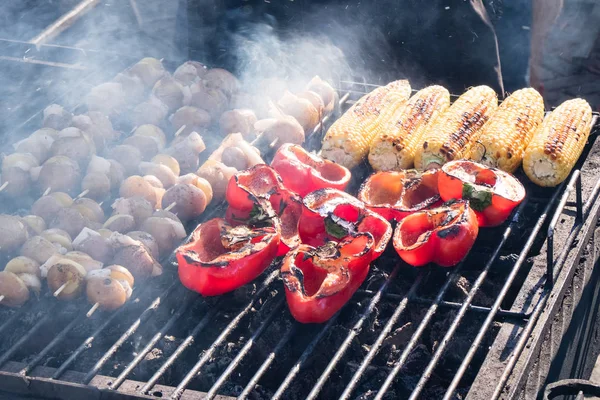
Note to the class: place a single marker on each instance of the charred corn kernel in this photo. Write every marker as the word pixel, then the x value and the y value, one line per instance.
pixel 558 143
pixel 395 146
pixel 505 136
pixel 454 132
pixel 348 140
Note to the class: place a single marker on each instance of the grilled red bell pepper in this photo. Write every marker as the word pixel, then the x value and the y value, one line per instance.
pixel 319 281
pixel 221 258
pixel 442 235
pixel 304 172
pixel 246 189
pixel 331 215
pixel 396 194
pixel 493 194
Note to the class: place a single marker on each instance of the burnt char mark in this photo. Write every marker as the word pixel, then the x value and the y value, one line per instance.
pixel 471 123
pixel 560 132
pixel 372 103
pixel 192 259
pixel 449 232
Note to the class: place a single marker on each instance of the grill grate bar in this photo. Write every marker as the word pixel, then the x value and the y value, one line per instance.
pixel 351 335
pixel 268 361
pixel 384 333
pixel 232 325
pixel 149 311
pixel 415 337
pixel 57 339
pixel 6 356
pixel 182 347
pixel 159 335
pixel 518 316
pixel 11 319
pixel 313 344
pixel 508 283
pixel 245 350
pixel 87 343
pixel 461 313
pixel 539 307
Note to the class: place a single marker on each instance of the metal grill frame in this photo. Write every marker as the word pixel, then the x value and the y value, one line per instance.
pixel 18 377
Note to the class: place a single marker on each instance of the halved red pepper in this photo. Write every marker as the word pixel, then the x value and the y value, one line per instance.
pixel 246 189
pixel 442 235
pixel 319 281
pixel 221 258
pixel 491 192
pixel 396 194
pixel 331 215
pixel 304 172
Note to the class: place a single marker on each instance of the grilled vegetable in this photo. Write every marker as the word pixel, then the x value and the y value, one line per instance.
pixel 109 287
pixel 456 131
pixel 556 146
pixel 396 194
pixel 319 281
pixel 503 139
pixel 441 235
pixel 13 290
pixel 348 140
pixel 492 193
pixel 13 233
pixel 303 172
pixel 395 147
pixel 221 258
pixel 246 195
pixel 68 275
pixel 332 215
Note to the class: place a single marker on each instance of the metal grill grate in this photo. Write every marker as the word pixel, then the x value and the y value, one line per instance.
pixel 246 345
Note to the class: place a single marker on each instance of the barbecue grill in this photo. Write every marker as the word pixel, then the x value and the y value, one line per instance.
pixel 488 328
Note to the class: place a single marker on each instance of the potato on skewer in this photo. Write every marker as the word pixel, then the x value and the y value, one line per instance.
pixel 13 233
pixel 109 288
pixel 13 291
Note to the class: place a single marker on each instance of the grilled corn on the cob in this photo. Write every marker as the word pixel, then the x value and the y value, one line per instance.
pixel 347 141
pixel 505 136
pixel 558 143
pixel 453 134
pixel 395 146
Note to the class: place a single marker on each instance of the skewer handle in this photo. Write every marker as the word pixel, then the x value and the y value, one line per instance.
pixel 80 195
pixel 46 192
pixel 179 130
pixel 170 206
pixel 1 298
pixel 4 185
pixel 60 289
pixel 92 310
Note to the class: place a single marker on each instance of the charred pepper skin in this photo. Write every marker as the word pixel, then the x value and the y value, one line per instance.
pixel 319 281
pixel 397 194
pixel 331 215
pixel 303 172
pixel 442 235
pixel 492 193
pixel 247 193
pixel 221 258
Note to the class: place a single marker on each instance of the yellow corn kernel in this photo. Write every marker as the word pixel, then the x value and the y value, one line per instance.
pixel 348 140
pixel 505 136
pixel 454 133
pixel 558 143
pixel 395 146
